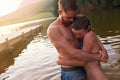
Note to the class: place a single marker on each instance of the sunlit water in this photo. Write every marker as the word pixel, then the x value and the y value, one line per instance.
pixel 37 61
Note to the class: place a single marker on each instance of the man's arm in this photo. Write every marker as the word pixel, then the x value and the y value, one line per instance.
pixel 63 45
pixel 70 62
pixel 103 53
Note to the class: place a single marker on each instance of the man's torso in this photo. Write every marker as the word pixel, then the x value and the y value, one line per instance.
pixel 68 36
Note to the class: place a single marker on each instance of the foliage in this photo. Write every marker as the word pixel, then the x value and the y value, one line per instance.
pixel 55 8
pixel 91 5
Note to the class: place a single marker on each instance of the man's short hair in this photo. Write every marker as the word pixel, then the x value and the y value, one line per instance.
pixel 68 5
pixel 80 22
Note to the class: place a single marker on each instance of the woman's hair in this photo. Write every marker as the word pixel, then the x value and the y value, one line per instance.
pixel 80 22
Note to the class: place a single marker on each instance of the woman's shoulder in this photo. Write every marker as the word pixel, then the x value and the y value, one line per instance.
pixel 90 35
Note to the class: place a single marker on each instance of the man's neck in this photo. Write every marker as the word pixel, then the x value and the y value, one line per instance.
pixel 62 22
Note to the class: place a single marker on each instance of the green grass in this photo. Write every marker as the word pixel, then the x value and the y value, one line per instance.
pixel 30 18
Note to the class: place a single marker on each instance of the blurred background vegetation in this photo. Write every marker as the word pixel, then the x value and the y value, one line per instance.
pixel 92 5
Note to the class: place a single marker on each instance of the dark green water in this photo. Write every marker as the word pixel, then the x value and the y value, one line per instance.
pixel 106 22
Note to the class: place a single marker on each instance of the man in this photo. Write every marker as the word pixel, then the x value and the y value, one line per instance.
pixel 60 34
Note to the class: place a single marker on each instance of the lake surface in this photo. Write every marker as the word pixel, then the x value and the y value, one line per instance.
pixel 37 61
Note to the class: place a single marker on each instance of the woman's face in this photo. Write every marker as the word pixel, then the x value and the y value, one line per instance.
pixel 79 33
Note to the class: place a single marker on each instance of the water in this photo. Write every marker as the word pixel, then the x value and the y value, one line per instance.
pixel 37 61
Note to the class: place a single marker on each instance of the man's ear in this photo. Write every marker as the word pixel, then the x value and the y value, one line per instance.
pixel 59 11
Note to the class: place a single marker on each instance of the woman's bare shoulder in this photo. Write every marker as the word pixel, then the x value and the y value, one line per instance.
pixel 90 34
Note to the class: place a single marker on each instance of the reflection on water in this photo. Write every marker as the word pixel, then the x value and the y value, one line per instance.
pixel 112 68
pixel 37 61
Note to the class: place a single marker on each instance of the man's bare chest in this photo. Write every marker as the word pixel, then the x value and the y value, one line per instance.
pixel 68 35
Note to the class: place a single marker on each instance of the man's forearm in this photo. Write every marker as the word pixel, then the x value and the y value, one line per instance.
pixel 70 62
pixel 101 46
pixel 85 56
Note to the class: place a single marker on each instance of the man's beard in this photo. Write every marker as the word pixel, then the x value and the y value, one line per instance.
pixel 66 24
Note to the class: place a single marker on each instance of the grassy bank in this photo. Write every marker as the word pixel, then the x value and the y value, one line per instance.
pixel 30 18
pixel 36 16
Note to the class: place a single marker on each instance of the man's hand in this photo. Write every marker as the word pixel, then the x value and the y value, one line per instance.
pixel 58 60
pixel 103 56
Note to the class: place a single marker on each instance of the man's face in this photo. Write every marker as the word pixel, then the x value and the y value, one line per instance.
pixel 68 17
pixel 79 33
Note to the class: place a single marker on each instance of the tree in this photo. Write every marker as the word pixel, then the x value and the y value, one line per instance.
pixel 55 5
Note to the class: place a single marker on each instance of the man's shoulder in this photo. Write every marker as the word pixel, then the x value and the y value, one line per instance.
pixel 55 25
